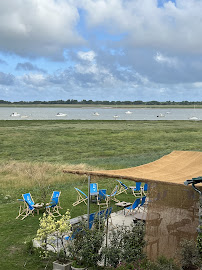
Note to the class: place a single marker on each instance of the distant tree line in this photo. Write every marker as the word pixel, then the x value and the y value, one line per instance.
pixel 104 102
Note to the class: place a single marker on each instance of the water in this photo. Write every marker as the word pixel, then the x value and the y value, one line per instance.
pixel 87 113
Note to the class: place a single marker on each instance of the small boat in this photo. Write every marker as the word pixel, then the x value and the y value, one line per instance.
pixel 128 112
pixel 116 116
pixel 193 118
pixel 96 114
pixel 161 115
pixel 24 116
pixel 15 114
pixel 61 114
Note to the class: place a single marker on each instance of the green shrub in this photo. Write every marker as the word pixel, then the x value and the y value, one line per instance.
pixel 189 254
pixel 85 248
pixel 125 244
pixel 162 263
pixel 199 243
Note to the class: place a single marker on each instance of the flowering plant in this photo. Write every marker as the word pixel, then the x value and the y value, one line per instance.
pixel 51 234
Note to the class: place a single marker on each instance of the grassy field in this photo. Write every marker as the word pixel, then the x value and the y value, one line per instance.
pixel 34 153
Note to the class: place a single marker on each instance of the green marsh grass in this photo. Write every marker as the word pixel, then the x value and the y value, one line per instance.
pixel 34 153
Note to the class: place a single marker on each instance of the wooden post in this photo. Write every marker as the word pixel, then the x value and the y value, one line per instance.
pixel 200 214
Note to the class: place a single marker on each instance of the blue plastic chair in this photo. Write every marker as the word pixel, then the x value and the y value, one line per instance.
pixel 122 187
pixel 133 206
pixel 81 197
pixel 28 206
pixel 53 206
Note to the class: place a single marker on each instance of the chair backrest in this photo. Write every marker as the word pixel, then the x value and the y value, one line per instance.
pixel 28 199
pixel 145 187
pixel 91 220
pixel 55 198
pixel 143 201
pixel 108 212
pixel 100 214
pixel 114 191
pixel 122 184
pixel 56 195
pixel 102 194
pixel 138 185
pixel 81 192
pixel 93 189
pixel 135 204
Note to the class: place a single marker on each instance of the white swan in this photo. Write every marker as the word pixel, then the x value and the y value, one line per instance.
pixel 15 114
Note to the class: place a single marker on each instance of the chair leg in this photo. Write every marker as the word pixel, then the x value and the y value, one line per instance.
pixel 53 211
pixel 21 211
pixel 28 213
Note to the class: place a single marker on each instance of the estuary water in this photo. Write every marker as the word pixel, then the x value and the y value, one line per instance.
pixel 94 113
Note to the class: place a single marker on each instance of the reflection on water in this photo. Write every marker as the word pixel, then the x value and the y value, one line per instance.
pixel 172 216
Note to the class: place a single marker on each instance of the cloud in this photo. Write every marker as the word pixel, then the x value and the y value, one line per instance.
pixel 198 84
pixel 86 56
pixel 6 79
pixel 172 27
pixel 38 28
pixel 162 59
pixel 27 66
pixel 3 62
pixel 34 80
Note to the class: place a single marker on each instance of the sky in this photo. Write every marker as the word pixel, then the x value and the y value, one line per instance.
pixel 101 50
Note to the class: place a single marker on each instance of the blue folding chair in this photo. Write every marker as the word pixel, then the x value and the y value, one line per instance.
pixel 54 205
pixel 122 187
pixel 100 214
pixel 28 206
pixel 108 212
pixel 137 190
pixel 112 195
pixel 133 206
pixel 144 189
pixel 94 190
pixel 102 194
pixel 142 204
pixel 101 199
pixel 71 237
pixel 91 220
pixel 81 197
